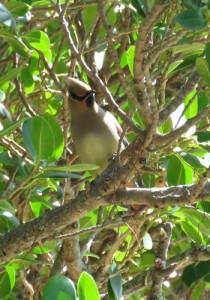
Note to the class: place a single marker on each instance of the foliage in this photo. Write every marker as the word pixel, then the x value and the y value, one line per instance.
pixel 150 61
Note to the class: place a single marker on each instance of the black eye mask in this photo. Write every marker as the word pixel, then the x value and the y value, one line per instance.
pixel 89 97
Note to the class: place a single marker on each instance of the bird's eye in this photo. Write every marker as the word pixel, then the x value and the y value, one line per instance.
pixel 90 98
pixel 75 97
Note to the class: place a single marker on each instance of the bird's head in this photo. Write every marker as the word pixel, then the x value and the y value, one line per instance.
pixel 80 91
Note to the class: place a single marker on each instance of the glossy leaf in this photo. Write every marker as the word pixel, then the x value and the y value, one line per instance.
pixel 191 19
pixel 27 79
pixel 192 108
pixel 115 284
pixel 38 205
pixel 45 248
pixel 58 175
pixel 10 75
pixel 197 47
pixel 178 172
pixel 192 232
pixel 195 4
pixel 6 17
pixel 203 69
pixel 198 218
pixel 42 3
pixel 26 133
pixel 59 287
pixel 166 127
pixel 43 137
pixel 37 39
pixel 195 272
pixel 207 51
pixel 87 288
pixel 18 8
pixel 203 136
pixel 72 168
pixel 139 6
pixel 130 58
pixel 203 101
pixel 194 161
pixel 7 281
pixel 4 112
pixel 57 136
pixel 11 128
pixel 15 42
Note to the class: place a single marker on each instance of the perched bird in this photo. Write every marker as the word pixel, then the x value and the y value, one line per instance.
pixel 95 132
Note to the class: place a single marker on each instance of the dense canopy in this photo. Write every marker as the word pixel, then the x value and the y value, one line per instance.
pixel 65 234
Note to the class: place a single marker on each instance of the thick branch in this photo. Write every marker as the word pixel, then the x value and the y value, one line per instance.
pixel 27 235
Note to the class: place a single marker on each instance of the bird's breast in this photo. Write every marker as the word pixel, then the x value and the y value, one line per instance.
pixel 95 142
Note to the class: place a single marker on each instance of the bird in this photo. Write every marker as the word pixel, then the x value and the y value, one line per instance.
pixel 95 132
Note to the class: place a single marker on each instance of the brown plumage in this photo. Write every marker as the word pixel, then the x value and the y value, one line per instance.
pixel 95 132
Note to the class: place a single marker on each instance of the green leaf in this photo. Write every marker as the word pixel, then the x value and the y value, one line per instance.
pixel 45 248
pixel 41 3
pixel 195 272
pixel 10 75
pixel 198 218
pixel 149 180
pixel 58 139
pixel 7 206
pixel 147 259
pixel 137 118
pixel 15 43
pixel 194 161
pixel 207 51
pixel 9 219
pixel 198 290
pixel 139 6
pixel 89 14
pixel 166 127
pixel 26 133
pixel 43 137
pixel 203 101
pixel 59 287
pixel 7 281
pixel 6 160
pixel 11 128
pixel 115 283
pixel 197 47
pixel 38 205
pixel 59 175
pixel 37 39
pixel 192 110
pixel 4 112
pixel 87 288
pixel 18 8
pixel 72 168
pixel 178 172
pixel 192 232
pixel 174 65
pixel 203 136
pixel 191 19
pixel 195 4
pixel 203 69
pixel 6 17
pixel 130 58
pixel 27 79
